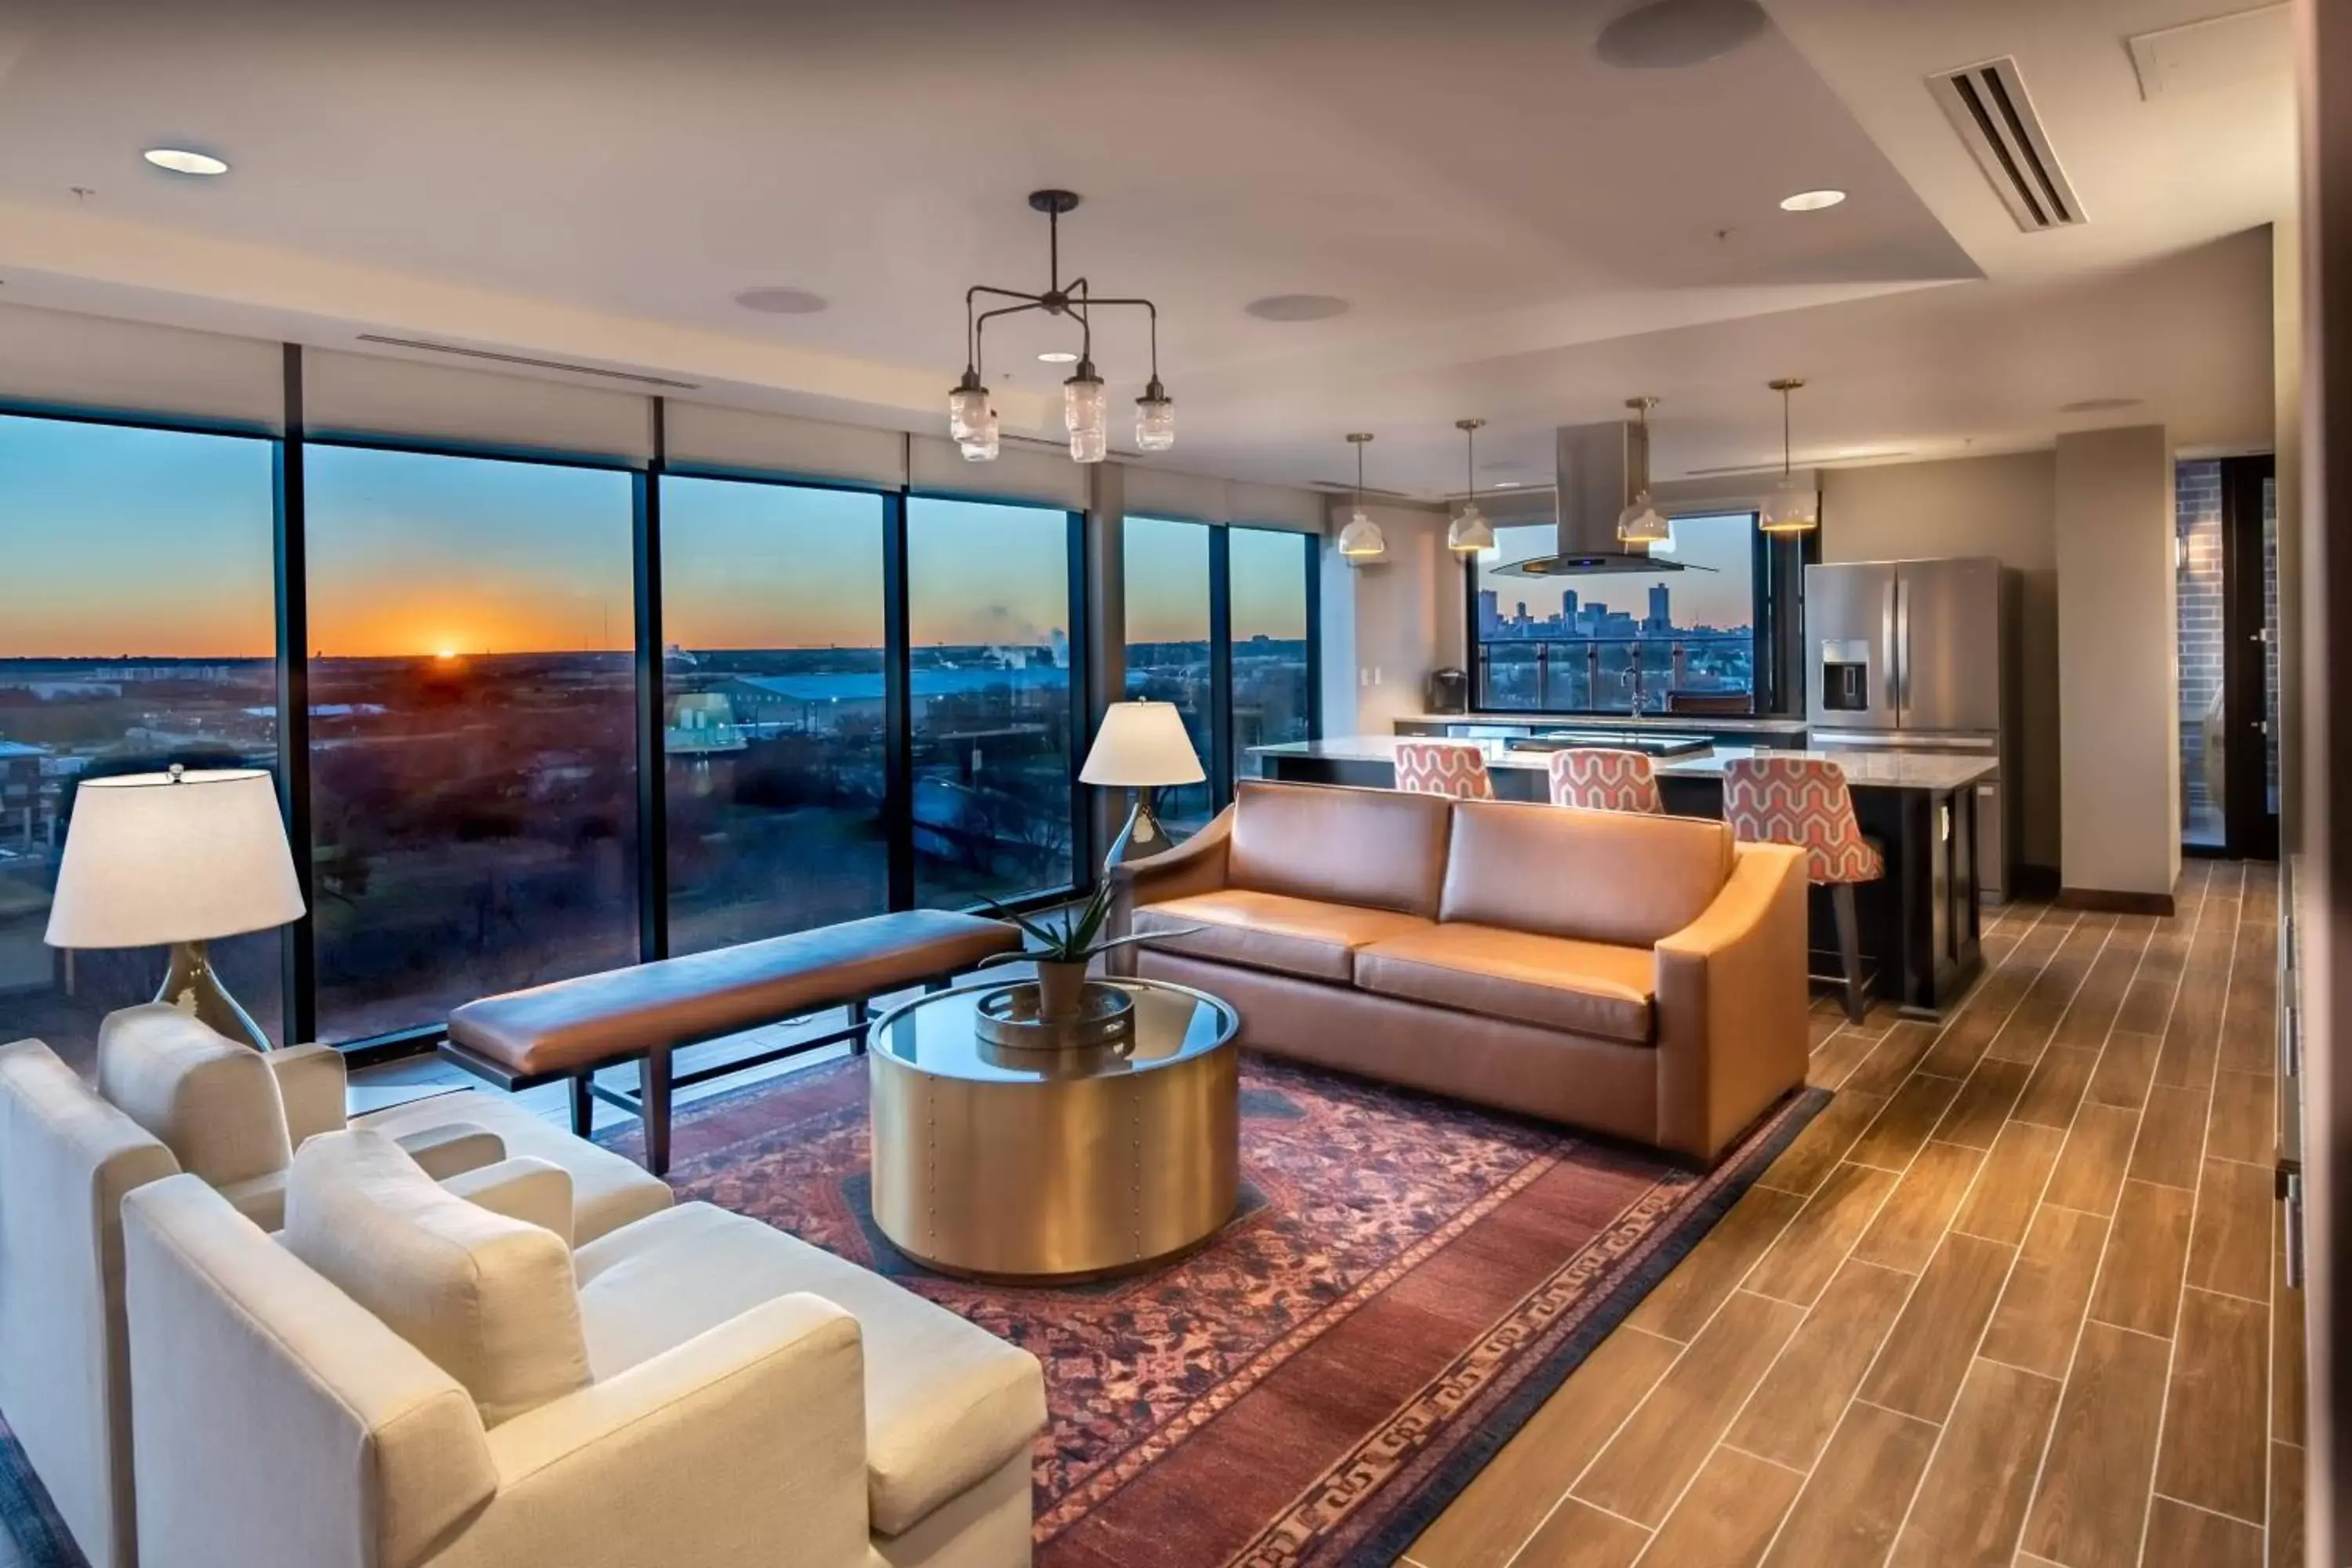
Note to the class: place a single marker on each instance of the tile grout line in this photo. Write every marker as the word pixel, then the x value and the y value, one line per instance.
pixel 2073 1353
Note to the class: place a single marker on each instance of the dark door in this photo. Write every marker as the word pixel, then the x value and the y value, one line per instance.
pixel 2250 663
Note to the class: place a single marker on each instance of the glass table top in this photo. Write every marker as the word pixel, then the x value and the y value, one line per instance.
pixel 934 1035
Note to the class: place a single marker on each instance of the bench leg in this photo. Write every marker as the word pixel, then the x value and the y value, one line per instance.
pixel 584 1105
pixel 653 1075
pixel 858 1013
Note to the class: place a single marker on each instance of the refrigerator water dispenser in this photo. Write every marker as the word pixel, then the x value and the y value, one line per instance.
pixel 1845 676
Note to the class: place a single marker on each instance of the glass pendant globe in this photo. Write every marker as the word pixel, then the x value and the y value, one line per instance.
pixel 1792 507
pixel 1089 446
pixel 1155 422
pixel 1470 533
pixel 1644 523
pixel 967 410
pixel 1083 404
pixel 980 446
pixel 1362 540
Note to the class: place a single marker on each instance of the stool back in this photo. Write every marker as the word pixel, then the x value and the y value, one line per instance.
pixel 1443 767
pixel 1597 778
pixel 1800 801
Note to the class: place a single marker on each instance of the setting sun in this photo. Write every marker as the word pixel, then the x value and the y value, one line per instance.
pixel 446 654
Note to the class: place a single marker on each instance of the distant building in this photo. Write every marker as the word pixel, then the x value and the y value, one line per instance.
pixel 1490 611
pixel 1661 618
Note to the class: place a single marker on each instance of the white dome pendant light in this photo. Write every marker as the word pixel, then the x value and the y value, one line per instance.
pixel 1641 523
pixel 1793 507
pixel 1361 543
pixel 1470 533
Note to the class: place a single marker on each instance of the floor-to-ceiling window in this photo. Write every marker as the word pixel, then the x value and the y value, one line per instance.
pixel 1274 688
pixel 774 711
pixel 1168 645
pixel 990 621
pixel 137 629
pixel 473 749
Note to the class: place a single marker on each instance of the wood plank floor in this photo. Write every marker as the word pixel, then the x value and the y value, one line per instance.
pixel 2014 1297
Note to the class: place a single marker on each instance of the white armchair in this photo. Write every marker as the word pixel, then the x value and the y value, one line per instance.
pixel 410 1381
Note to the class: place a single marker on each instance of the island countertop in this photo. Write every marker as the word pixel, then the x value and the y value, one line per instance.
pixel 1728 723
pixel 1863 770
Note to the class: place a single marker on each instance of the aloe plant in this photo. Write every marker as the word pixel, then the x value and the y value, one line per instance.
pixel 1069 934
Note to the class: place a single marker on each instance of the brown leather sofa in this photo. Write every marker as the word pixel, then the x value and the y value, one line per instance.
pixel 1642 976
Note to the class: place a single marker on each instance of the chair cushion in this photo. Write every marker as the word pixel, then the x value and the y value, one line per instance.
pixel 491 1300
pixel 1555 983
pixel 1272 931
pixel 212 1100
pixel 1375 848
pixel 607 1190
pixel 568 1025
pixel 1612 877
pixel 947 1402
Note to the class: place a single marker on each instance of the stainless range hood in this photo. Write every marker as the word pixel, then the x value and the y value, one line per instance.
pixel 1602 468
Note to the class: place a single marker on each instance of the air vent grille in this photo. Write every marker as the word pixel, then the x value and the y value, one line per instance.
pixel 633 377
pixel 1988 105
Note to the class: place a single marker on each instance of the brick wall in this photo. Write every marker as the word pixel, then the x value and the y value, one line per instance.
pixel 2197 505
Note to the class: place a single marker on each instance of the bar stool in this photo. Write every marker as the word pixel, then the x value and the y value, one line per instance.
pixel 1443 767
pixel 1597 778
pixel 1803 802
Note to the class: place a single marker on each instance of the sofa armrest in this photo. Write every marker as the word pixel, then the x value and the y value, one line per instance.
pixel 452 1149
pixel 745 1444
pixel 1196 866
pixel 1731 998
pixel 536 1191
pixel 311 1081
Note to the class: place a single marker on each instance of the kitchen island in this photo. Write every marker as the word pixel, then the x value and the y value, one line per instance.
pixel 1920 923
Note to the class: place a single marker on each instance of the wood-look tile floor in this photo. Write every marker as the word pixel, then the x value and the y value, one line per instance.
pixel 2013 1298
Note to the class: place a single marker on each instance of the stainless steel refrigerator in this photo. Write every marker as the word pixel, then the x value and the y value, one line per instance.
pixel 1921 656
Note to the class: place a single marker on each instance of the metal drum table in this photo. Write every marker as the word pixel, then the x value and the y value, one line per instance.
pixel 1072 1163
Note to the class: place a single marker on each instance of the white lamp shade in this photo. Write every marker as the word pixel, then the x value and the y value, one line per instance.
pixel 151 860
pixel 1142 745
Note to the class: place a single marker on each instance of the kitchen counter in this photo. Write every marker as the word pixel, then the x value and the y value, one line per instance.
pixel 1920 921
pixel 1727 724
pixel 1863 770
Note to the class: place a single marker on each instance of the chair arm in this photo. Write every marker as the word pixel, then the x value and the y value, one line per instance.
pixel 537 1191
pixel 1731 1004
pixel 746 1443
pixel 452 1149
pixel 311 1081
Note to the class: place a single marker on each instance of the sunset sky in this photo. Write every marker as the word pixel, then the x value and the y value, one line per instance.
pixel 130 542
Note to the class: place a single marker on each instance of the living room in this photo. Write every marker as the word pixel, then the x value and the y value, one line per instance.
pixel 1610 845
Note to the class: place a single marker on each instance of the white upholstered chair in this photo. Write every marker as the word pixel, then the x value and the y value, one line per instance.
pixel 404 1379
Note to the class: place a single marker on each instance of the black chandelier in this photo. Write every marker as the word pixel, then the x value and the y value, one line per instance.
pixel 971 418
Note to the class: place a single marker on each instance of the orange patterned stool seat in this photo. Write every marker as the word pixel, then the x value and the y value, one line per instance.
pixel 1597 778
pixel 1803 801
pixel 1443 767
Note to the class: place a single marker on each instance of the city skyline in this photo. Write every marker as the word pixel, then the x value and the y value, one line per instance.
pixel 1720 595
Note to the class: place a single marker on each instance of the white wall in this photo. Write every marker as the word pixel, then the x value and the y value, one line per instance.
pixel 2005 507
pixel 1387 625
pixel 2118 663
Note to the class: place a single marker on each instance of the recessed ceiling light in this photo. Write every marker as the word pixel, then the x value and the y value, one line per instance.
pixel 1810 201
pixel 1665 35
pixel 1058 356
pixel 1507 484
pixel 1297 308
pixel 773 301
pixel 180 161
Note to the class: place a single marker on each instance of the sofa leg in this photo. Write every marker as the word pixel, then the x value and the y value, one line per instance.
pixel 1849 949
pixel 653 1076
pixel 584 1105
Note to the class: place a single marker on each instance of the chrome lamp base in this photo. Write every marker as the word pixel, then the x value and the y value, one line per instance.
pixel 193 987
pixel 1145 835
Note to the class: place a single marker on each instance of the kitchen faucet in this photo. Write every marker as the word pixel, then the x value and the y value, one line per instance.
pixel 1632 679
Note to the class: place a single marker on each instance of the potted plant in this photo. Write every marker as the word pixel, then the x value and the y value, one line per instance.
pixel 1067 942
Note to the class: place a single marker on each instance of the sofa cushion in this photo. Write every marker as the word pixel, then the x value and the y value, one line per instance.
pixel 608 1191
pixel 1592 876
pixel 1272 931
pixel 491 1300
pixel 1375 848
pixel 947 1402
pixel 212 1100
pixel 1557 982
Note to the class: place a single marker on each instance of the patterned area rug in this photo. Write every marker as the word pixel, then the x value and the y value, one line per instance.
pixel 1407 1280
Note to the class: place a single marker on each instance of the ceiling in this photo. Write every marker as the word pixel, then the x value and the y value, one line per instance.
pixel 1523 232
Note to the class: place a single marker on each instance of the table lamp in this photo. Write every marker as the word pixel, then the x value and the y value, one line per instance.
pixel 177 858
pixel 1141 747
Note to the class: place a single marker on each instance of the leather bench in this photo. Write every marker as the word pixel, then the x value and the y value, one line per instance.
pixel 570 1028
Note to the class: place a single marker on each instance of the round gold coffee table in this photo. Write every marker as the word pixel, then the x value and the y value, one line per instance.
pixel 1002 1162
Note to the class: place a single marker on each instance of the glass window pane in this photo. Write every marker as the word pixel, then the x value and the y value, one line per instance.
pixel 2204 719
pixel 1167 577
pixel 473 744
pixel 1610 643
pixel 771 604
pixel 989 617
pixel 137 624
pixel 1272 703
